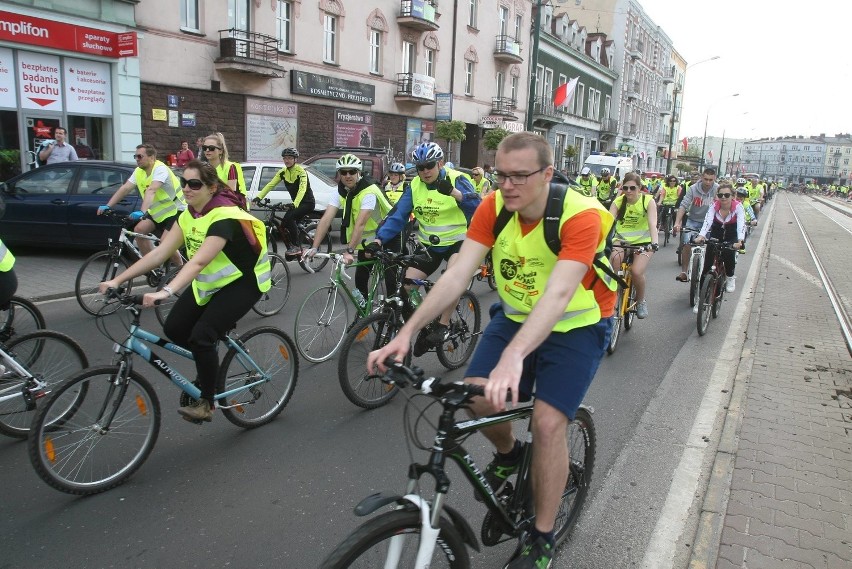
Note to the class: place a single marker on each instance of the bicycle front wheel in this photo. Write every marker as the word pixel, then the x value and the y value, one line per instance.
pixel 321 324
pixel 361 388
pixel 49 357
pixel 695 281
pixel 392 540
pixel 705 300
pixel 306 240
pixel 272 357
pixel 100 267
pixel 581 448
pixel 19 318
pixel 463 333
pixel 272 301
pixel 630 314
pixel 617 320
pixel 104 441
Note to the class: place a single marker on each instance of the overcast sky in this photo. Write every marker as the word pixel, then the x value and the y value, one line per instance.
pixel 790 62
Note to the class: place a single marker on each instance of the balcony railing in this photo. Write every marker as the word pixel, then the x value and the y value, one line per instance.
pixel 669 76
pixel 503 106
pixel 545 111
pixel 666 107
pixel 415 88
pixel 248 52
pixel 633 90
pixel 663 139
pixel 609 127
pixel 508 49
pixel 635 48
pixel 418 15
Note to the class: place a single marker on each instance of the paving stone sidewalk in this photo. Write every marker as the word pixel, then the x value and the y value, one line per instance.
pixel 790 501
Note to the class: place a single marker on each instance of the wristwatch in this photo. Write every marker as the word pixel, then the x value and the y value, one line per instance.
pixel 350 250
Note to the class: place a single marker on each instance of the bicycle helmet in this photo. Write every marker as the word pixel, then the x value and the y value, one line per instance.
pixel 427 152
pixel 605 172
pixel 585 171
pixel 349 161
pixel 290 152
pixel 741 181
pixel 742 192
pixel 397 168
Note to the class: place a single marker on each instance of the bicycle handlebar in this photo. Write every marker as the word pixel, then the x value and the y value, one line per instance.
pixel 403 376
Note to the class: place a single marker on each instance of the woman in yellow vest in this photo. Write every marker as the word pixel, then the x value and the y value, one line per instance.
pixel 228 269
pixel 396 182
pixel 481 184
pixel 216 153
pixel 8 279
pixel 635 214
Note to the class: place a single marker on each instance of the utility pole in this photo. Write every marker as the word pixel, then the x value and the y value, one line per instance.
pixel 671 128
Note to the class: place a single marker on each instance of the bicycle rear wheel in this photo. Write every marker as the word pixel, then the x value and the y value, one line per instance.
pixel 19 318
pixel 617 320
pixel 667 228
pixel 100 267
pixel 272 301
pixel 360 387
pixel 399 531
pixel 464 329
pixel 695 282
pixel 321 324
pixel 705 300
pixel 80 453
pixel 306 240
pixel 273 352
pixel 48 356
pixel 581 448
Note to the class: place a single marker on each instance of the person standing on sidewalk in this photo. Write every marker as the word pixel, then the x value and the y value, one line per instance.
pixel 697 199
pixel 553 315
pixel 184 155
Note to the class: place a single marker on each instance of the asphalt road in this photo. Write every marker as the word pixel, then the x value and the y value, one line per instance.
pixel 282 495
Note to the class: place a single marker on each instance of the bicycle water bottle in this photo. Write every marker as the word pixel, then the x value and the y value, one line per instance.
pixel 414 298
pixel 359 298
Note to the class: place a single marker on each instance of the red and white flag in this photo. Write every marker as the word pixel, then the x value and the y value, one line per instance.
pixel 565 92
pixel 685 143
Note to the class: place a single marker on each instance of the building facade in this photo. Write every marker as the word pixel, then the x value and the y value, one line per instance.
pixel 793 159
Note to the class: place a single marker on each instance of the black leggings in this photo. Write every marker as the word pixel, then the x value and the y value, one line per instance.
pixel 8 287
pixel 294 215
pixel 729 257
pixel 198 328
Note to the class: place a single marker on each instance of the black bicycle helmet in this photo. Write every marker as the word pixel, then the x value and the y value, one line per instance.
pixel 290 152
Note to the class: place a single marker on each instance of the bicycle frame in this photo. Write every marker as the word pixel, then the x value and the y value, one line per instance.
pixel 34 385
pixel 338 272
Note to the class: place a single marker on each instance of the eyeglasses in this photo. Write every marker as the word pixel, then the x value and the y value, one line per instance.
pixel 348 172
pixel 477 175
pixel 139 156
pixel 206 148
pixel 194 184
pixel 516 179
pixel 629 188
pixel 426 166
pixel 725 195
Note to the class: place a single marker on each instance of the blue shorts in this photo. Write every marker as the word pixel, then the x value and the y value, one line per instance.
pixel 558 372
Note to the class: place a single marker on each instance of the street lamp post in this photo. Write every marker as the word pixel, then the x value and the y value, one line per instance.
pixel 677 89
pixel 706 120
pixel 721 150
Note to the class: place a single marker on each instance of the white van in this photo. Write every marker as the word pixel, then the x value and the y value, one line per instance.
pixel 618 164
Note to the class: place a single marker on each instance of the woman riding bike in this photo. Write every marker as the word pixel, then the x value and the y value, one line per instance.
pixel 228 267
pixel 725 221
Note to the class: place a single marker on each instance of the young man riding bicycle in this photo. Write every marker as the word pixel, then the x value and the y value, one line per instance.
pixel 549 331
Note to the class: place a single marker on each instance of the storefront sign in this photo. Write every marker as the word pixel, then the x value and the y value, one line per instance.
pixel 443 106
pixel 311 84
pixel 491 121
pixel 8 93
pixel 39 81
pixel 172 101
pixel 88 87
pixel 19 28
pixel 174 118
pixel 159 114
pixel 513 126
pixel 353 128
pixel 187 119
pixel 271 126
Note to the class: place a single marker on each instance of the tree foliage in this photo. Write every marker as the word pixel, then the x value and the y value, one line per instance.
pixel 493 138
pixel 451 131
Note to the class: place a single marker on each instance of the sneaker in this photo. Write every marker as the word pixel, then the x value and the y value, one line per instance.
pixel 535 555
pixel 429 337
pixel 642 309
pixel 731 284
pixel 198 411
pixel 499 470
pixel 294 250
pixel 439 333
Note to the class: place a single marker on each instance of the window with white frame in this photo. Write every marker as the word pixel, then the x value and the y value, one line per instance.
pixel 329 36
pixel 471 17
pixel 539 77
pixel 513 94
pixel 375 51
pixel 238 14
pixel 519 27
pixel 547 95
pixel 189 15
pixel 468 77
pixel 590 111
pixel 501 79
pixel 504 20
pixel 284 25
pixel 581 97
pixel 430 62
pixel 408 53
pixel 607 106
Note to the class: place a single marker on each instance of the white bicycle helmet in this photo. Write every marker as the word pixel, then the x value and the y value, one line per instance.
pixel 741 181
pixel 349 161
pixel 605 172
pixel 397 168
pixel 585 171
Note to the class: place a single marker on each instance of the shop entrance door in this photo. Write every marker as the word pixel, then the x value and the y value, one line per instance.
pixel 37 128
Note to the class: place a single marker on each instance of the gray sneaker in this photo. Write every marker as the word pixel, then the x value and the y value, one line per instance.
pixel 198 411
pixel 642 309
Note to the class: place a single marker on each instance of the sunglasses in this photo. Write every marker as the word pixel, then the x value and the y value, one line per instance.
pixel 206 148
pixel 426 166
pixel 193 184
pixel 725 195
pixel 139 156
pixel 348 172
pixel 631 187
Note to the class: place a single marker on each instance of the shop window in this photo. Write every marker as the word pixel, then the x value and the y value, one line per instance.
pixel 10 150
pixel 91 137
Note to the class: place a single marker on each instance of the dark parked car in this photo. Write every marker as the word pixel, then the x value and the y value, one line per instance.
pixel 56 205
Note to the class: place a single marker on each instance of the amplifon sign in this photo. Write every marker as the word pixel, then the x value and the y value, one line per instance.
pixel 29 30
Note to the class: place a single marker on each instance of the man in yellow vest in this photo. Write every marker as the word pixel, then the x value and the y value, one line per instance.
pixel 442 201
pixel 8 279
pixel 162 198
pixel 587 181
pixel 554 312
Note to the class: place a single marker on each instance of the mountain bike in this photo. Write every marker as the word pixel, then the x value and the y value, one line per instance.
pixel 712 285
pixel 30 367
pixel 19 317
pixel 625 303
pixel 376 330
pixel 98 427
pixel 105 265
pixel 424 531
pixel 306 228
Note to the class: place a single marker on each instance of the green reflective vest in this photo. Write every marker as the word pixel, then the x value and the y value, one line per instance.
pixel 165 205
pixel 7 259
pixel 382 208
pixel 221 271
pixel 633 226
pixel 437 214
pixel 393 193
pixel 222 171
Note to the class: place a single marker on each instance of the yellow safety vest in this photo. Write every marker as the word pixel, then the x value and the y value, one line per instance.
pixel 482 185
pixel 436 213
pixel 222 171
pixel 382 208
pixel 670 197
pixel 221 271
pixel 394 193
pixel 164 205
pixel 524 264
pixel 605 188
pixel 633 226
pixel 7 259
